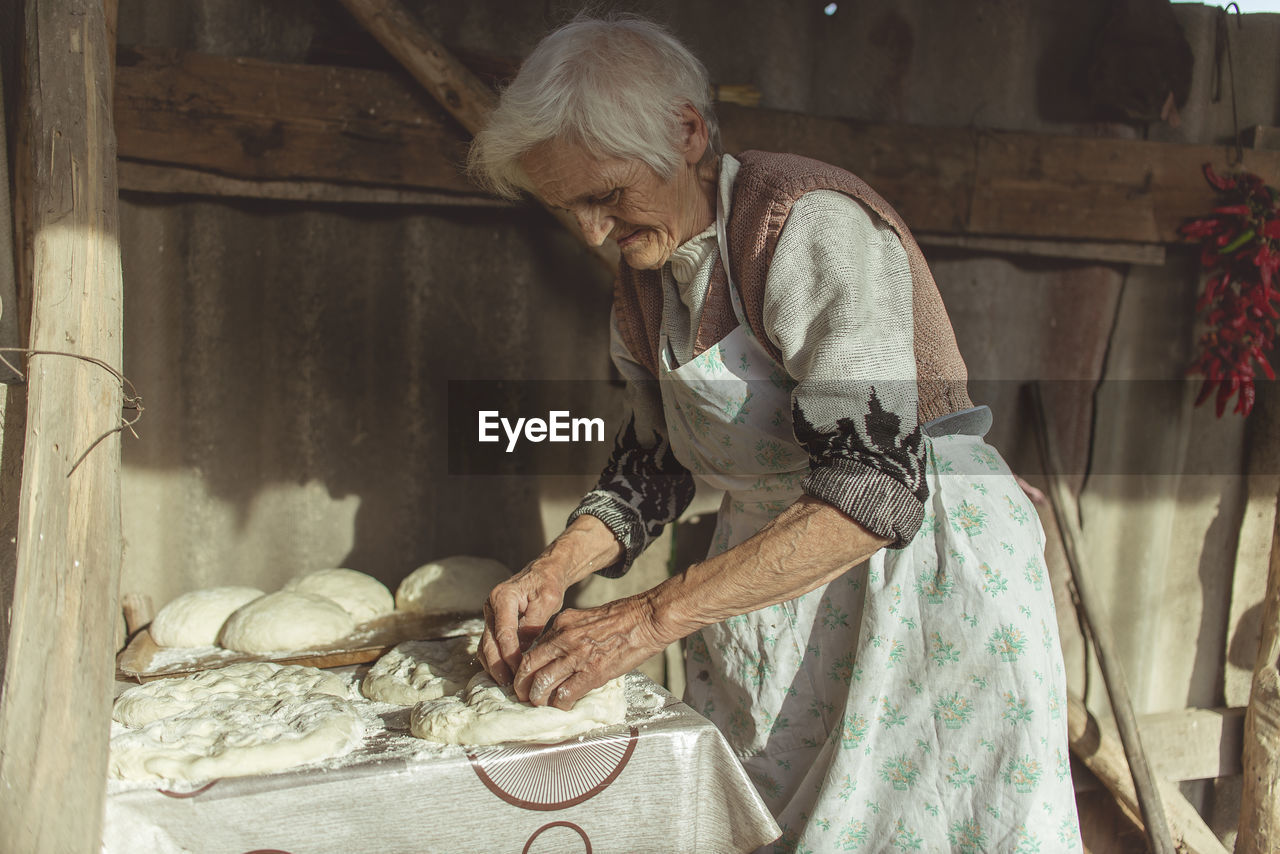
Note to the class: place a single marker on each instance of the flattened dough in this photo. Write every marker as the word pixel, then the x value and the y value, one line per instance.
pixel 487 713
pixel 163 698
pixel 285 621
pixel 422 670
pixel 362 596
pixel 195 618
pixel 233 735
pixel 458 583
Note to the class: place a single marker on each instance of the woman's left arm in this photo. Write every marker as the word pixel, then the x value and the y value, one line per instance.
pixel 804 547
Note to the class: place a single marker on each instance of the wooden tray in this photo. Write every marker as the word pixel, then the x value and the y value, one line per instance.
pixel 137 661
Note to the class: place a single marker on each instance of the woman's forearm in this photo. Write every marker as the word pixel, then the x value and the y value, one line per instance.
pixel 585 546
pixel 807 545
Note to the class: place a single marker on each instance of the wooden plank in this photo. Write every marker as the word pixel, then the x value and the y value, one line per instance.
pixel 252 119
pixel 1152 254
pixel 968 181
pixel 143 660
pixel 176 180
pixel 1260 802
pixel 58 675
pixel 1099 749
pixel 1194 744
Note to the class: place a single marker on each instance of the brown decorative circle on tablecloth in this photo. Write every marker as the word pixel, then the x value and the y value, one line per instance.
pixel 582 833
pixel 206 787
pixel 266 851
pixel 553 776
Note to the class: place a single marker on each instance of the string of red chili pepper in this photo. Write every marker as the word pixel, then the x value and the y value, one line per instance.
pixel 1240 252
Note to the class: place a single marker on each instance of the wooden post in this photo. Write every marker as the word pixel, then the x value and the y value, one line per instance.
pixel 449 81
pixel 1260 803
pixel 54 710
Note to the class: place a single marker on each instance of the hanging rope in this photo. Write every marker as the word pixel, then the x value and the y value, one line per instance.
pixel 1221 47
pixel 132 400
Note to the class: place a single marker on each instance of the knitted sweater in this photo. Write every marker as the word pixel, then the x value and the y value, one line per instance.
pixel 837 292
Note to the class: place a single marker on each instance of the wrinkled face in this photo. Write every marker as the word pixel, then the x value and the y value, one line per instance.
pixel 647 215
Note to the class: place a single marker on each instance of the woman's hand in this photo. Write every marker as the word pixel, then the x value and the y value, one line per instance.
pixel 515 613
pixel 582 650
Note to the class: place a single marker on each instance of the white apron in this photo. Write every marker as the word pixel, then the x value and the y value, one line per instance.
pixel 916 703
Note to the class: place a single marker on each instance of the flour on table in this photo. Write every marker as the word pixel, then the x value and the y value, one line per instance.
pixel 488 713
pixel 285 621
pixel 362 596
pixel 458 583
pixel 195 618
pixel 162 698
pixel 252 724
pixel 422 670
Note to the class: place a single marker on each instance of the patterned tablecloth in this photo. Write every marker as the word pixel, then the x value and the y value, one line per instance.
pixel 665 781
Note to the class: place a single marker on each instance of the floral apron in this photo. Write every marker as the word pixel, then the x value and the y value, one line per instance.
pixel 915 703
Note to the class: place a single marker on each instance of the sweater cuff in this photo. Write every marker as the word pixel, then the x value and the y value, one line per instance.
pixel 870 497
pixel 622 520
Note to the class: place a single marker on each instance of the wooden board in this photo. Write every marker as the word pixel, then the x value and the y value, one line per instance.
pixel 137 661
pixel 249 118
pixel 56 698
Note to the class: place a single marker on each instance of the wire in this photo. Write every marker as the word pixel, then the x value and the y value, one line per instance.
pixel 132 400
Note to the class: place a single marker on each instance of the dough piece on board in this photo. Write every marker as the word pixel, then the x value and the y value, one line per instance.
pixel 163 698
pixel 422 670
pixel 362 596
pixel 285 621
pixel 488 713
pixel 233 735
pixel 458 583
pixel 195 618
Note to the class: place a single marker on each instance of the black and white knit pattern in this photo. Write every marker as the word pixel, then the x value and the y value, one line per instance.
pixel 640 491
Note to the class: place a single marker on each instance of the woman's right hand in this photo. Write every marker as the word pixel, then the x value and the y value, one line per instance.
pixel 516 612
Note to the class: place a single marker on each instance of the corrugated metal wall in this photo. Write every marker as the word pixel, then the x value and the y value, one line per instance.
pixel 292 357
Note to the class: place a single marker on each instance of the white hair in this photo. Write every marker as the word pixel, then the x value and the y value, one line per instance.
pixel 616 87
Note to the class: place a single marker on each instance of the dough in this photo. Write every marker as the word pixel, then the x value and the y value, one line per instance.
pixel 162 698
pixel 422 670
pixel 237 730
pixel 362 596
pixel 488 713
pixel 195 618
pixel 285 621
pixel 459 583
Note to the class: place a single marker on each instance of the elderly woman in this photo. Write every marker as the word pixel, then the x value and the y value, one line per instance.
pixel 872 630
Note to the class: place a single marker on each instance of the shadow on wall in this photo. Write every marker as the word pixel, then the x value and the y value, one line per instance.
pixel 294 364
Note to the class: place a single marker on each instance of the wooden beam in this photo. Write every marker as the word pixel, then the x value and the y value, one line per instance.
pixel 10 335
pixel 175 180
pixel 1151 254
pixel 999 183
pixel 57 693
pixel 1194 744
pixel 450 83
pixel 1100 751
pixel 1260 803
pixel 256 120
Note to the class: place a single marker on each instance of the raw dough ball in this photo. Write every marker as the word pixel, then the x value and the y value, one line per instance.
pixel 195 618
pixel 239 730
pixel 459 583
pixel 488 713
pixel 362 596
pixel 285 621
pixel 163 698
pixel 422 670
